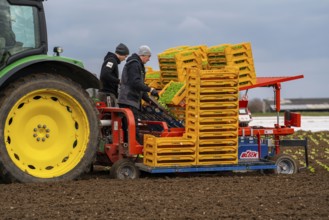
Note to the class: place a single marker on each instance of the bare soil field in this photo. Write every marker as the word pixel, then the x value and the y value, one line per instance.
pixel 228 195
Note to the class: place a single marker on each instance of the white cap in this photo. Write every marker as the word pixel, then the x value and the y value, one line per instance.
pixel 144 51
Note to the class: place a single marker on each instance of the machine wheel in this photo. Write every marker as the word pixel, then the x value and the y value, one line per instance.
pixel 48 129
pixel 285 164
pixel 124 169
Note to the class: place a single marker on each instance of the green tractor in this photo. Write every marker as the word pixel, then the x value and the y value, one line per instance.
pixel 49 127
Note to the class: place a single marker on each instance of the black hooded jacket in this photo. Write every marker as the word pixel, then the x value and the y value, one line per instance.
pixel 133 88
pixel 110 74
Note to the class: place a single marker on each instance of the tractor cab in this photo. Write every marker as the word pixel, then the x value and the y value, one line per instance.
pixel 33 90
pixel 23 30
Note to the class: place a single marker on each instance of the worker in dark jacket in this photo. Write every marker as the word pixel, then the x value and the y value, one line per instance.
pixel 133 88
pixel 109 76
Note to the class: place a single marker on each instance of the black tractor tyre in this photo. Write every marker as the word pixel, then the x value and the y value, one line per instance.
pixel 285 164
pixel 49 129
pixel 124 169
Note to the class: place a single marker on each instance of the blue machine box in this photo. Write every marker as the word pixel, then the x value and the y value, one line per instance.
pixel 249 150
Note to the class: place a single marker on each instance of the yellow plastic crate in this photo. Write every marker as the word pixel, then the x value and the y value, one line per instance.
pixel 167 56
pixel 242 63
pixel 218 143
pixel 201 48
pixel 219 83
pixel 220 113
pixel 169 151
pixel 238 48
pixel 153 75
pixel 179 96
pixel 169 74
pixel 156 84
pixel 205 107
pixel 165 142
pixel 170 157
pixel 165 81
pixel 218 150
pixel 237 56
pixel 169 161
pixel 247 75
pixel 247 70
pixel 168 67
pixel 186 55
pixel 179 48
pixel 199 131
pixel 167 63
pixel 218 135
pixel 231 122
pixel 215 98
pixel 248 82
pixel 217 61
pixel 217 50
pixel 218 105
pixel 212 90
pixel 247 79
pixel 227 72
pixel 176 96
pixel 216 128
pixel 222 98
pixel 219 120
pixel 217 159
pixel 219 91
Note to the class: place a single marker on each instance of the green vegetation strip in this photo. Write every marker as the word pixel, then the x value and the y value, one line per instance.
pixel 170 92
pixel 153 75
pixel 318 150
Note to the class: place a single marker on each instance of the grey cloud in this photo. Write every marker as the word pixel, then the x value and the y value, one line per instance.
pixel 288 37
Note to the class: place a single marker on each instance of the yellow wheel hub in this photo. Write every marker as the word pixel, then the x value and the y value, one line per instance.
pixel 46 133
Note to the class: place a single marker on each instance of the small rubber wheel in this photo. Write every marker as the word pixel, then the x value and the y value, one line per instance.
pixel 285 164
pixel 124 169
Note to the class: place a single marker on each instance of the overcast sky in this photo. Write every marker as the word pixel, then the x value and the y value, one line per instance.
pixel 288 37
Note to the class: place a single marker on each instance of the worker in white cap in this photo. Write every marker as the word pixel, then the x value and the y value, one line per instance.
pixel 132 88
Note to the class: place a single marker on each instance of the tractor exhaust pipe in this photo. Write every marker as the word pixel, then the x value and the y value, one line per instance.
pixel 106 123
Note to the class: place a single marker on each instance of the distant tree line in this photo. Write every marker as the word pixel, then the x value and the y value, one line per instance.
pixel 256 105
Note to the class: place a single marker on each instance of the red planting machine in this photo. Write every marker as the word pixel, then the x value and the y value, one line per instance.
pixel 169 148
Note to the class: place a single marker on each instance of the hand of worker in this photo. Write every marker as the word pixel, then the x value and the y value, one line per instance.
pixel 154 92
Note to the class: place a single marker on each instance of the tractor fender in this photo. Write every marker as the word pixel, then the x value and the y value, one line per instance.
pixel 54 66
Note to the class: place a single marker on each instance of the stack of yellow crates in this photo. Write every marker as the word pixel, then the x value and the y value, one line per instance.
pixel 173 64
pixel 211 123
pixel 169 151
pixel 238 55
pixel 212 104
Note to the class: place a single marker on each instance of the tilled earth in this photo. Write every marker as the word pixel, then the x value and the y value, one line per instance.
pixel 228 195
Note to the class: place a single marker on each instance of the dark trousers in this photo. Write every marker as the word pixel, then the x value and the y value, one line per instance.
pixel 125 123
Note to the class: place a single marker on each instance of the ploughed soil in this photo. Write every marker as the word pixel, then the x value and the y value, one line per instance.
pixel 224 195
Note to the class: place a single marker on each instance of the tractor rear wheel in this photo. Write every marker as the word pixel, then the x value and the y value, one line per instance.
pixel 48 129
pixel 124 169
